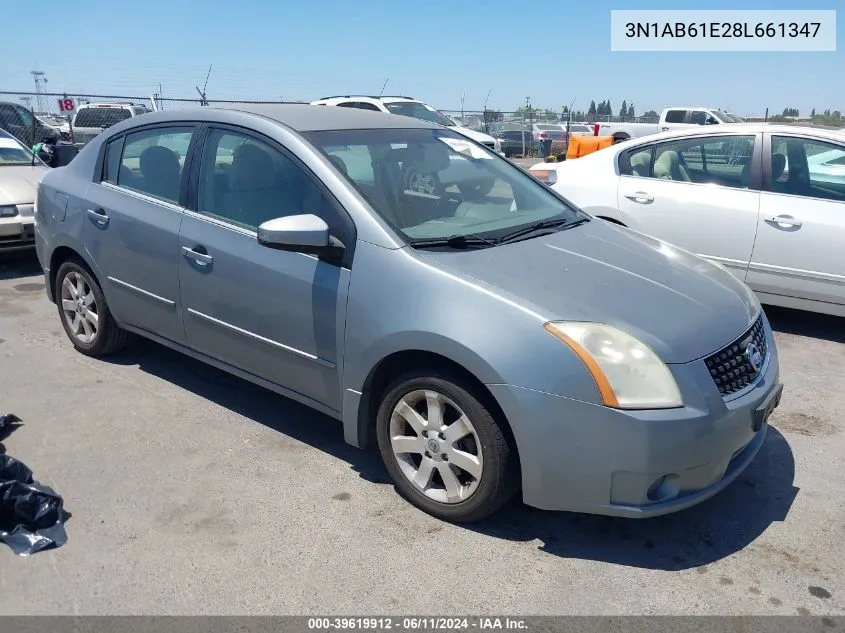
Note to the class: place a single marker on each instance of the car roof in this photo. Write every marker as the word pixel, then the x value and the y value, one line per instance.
pixel 738 128
pixel 298 117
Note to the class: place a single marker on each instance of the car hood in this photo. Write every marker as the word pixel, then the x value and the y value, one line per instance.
pixel 18 183
pixel 682 306
pixel 479 137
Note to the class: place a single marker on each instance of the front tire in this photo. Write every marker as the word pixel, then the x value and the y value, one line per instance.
pixel 84 313
pixel 444 449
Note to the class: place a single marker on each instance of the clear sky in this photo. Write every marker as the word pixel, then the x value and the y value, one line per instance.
pixel 438 50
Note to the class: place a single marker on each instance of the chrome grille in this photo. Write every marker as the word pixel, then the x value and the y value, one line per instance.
pixel 731 368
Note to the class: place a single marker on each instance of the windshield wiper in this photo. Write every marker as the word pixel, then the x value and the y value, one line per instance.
pixel 539 226
pixel 455 241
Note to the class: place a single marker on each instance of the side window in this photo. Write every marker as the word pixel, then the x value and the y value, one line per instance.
pixel 9 116
pixel 698 117
pixel 246 182
pixel 368 106
pixel 153 161
pixel 111 162
pixel 636 162
pixel 676 116
pixel 720 160
pixel 807 167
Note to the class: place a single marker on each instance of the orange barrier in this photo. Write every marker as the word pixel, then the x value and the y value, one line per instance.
pixel 583 145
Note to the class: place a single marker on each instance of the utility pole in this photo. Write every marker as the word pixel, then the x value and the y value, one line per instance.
pixel 39 78
pixel 486 99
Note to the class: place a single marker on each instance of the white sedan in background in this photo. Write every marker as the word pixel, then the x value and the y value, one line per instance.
pixel 765 201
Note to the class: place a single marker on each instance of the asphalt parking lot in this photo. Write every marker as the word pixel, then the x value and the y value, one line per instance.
pixel 193 492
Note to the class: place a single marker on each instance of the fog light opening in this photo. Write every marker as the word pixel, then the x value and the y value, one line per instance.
pixel 664 488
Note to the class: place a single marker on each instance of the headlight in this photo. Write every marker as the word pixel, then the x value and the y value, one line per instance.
pixel 548 176
pixel 8 211
pixel 628 374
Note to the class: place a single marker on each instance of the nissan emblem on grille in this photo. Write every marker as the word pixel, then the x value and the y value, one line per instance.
pixel 755 356
pixel 738 365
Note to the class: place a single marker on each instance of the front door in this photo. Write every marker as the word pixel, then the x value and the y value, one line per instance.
pixel 132 226
pixel 698 193
pixel 799 245
pixel 277 315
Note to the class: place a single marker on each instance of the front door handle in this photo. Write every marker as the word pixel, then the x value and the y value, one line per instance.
pixel 785 220
pixel 203 259
pixel 641 197
pixel 99 217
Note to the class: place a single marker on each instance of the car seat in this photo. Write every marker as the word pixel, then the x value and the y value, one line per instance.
pixel 668 167
pixel 162 173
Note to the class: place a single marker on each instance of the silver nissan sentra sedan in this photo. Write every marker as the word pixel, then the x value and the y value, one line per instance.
pixel 490 342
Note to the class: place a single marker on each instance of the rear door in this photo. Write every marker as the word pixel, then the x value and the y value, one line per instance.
pixel 132 225
pixel 799 247
pixel 700 193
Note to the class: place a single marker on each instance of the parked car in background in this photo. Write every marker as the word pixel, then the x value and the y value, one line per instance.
pixel 20 172
pixel 488 345
pixel 673 118
pixel 406 106
pixel 765 201
pixel 21 123
pixel 551 131
pixel 92 118
pixel 579 129
pixel 61 125
pixel 517 142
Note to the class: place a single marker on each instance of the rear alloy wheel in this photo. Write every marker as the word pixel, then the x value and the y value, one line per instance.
pixel 444 450
pixel 84 313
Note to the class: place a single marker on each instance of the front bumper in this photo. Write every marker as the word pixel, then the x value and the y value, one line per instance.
pixel 584 457
pixel 16 233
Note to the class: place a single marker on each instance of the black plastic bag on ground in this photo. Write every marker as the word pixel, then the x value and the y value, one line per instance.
pixel 32 515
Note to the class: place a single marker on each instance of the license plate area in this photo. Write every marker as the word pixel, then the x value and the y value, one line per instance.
pixel 762 413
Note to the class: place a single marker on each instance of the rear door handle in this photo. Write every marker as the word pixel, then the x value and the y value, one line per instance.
pixel 203 259
pixel 785 220
pixel 99 217
pixel 641 197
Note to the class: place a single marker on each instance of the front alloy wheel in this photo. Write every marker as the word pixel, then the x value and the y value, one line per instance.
pixel 443 446
pixel 436 446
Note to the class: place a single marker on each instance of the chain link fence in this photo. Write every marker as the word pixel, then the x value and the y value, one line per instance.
pixel 34 118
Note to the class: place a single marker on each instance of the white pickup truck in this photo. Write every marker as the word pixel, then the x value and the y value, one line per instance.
pixel 670 119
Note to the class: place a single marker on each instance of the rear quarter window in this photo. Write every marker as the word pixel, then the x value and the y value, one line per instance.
pixel 676 116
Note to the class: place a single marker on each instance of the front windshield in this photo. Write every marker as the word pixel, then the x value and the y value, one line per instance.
pixel 13 153
pixel 418 110
pixel 436 184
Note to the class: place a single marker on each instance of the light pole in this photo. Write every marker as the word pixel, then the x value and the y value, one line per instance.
pixel 39 78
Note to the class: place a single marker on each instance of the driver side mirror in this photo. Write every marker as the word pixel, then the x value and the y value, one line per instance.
pixel 306 233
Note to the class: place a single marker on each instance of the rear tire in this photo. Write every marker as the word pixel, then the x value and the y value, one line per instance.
pixel 84 313
pixel 444 449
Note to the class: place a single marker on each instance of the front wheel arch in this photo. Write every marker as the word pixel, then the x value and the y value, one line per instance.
pixel 386 369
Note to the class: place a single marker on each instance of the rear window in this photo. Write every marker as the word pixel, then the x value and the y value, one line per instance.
pixel 100 117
